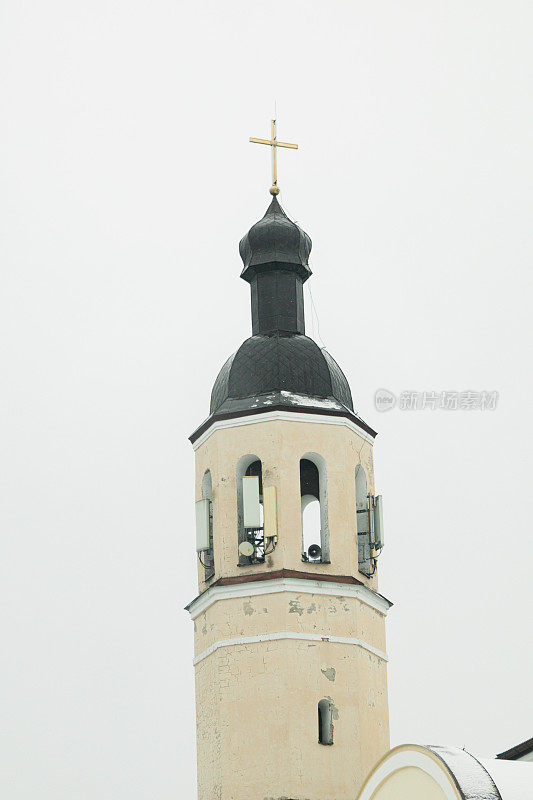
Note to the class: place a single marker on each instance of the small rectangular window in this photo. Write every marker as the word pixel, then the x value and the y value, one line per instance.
pixel 325 722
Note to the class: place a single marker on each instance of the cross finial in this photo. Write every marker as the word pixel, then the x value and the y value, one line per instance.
pixel 274 144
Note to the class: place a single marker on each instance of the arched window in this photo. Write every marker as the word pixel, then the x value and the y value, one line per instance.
pixel 311 525
pixel 247 467
pixel 314 507
pixel 208 556
pixel 361 500
pixel 363 521
pixel 325 722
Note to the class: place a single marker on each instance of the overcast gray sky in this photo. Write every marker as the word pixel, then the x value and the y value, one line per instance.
pixel 127 181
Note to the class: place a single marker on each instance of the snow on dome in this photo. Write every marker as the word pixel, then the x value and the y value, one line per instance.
pixel 471 776
pixel 305 400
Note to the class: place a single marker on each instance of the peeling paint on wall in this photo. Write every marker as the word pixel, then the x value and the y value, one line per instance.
pixel 295 607
pixel 329 673
pixel 334 709
pixel 248 608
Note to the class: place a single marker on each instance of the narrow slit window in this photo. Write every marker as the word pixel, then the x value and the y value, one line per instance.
pixel 325 722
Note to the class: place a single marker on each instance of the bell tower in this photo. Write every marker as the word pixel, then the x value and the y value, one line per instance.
pixel 290 658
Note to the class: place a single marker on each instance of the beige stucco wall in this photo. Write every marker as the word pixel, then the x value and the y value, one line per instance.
pixel 280 444
pixel 290 611
pixel 257 702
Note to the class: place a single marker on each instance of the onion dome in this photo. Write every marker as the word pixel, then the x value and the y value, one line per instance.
pixel 278 367
pixel 275 239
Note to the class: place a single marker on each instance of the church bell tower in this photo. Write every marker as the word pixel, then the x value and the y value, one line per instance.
pixel 289 626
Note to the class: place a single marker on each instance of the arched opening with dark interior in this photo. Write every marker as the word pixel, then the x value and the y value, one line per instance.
pixel 313 498
pixel 250 510
pixel 208 556
pixel 363 521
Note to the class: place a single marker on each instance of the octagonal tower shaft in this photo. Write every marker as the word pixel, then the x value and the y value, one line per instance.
pixel 277 637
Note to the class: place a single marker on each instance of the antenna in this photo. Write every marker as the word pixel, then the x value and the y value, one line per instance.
pixel 202 525
pixel 246 549
pixel 251 502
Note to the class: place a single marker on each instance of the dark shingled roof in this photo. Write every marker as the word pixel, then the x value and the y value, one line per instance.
pixel 266 364
pixel 279 367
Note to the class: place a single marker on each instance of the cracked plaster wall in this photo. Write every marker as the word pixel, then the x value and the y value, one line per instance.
pixel 292 612
pixel 264 696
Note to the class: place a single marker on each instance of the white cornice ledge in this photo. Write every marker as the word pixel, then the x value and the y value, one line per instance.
pixel 304 637
pixel 288 416
pixel 297 585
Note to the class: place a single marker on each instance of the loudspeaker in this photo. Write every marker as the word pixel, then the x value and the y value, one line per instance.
pixel 314 552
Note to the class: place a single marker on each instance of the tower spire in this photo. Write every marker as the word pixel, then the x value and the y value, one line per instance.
pixel 275 253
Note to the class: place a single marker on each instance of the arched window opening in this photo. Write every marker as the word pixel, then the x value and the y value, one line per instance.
pixel 362 506
pixel 310 525
pixel 251 539
pixel 361 500
pixel 315 531
pixel 325 722
pixel 208 556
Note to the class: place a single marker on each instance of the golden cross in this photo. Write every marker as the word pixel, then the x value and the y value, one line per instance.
pixel 273 142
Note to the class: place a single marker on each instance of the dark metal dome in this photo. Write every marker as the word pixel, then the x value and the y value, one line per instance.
pixel 275 239
pixel 287 370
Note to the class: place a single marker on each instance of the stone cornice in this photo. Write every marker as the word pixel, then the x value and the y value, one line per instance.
pixel 251 418
pixel 287 581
